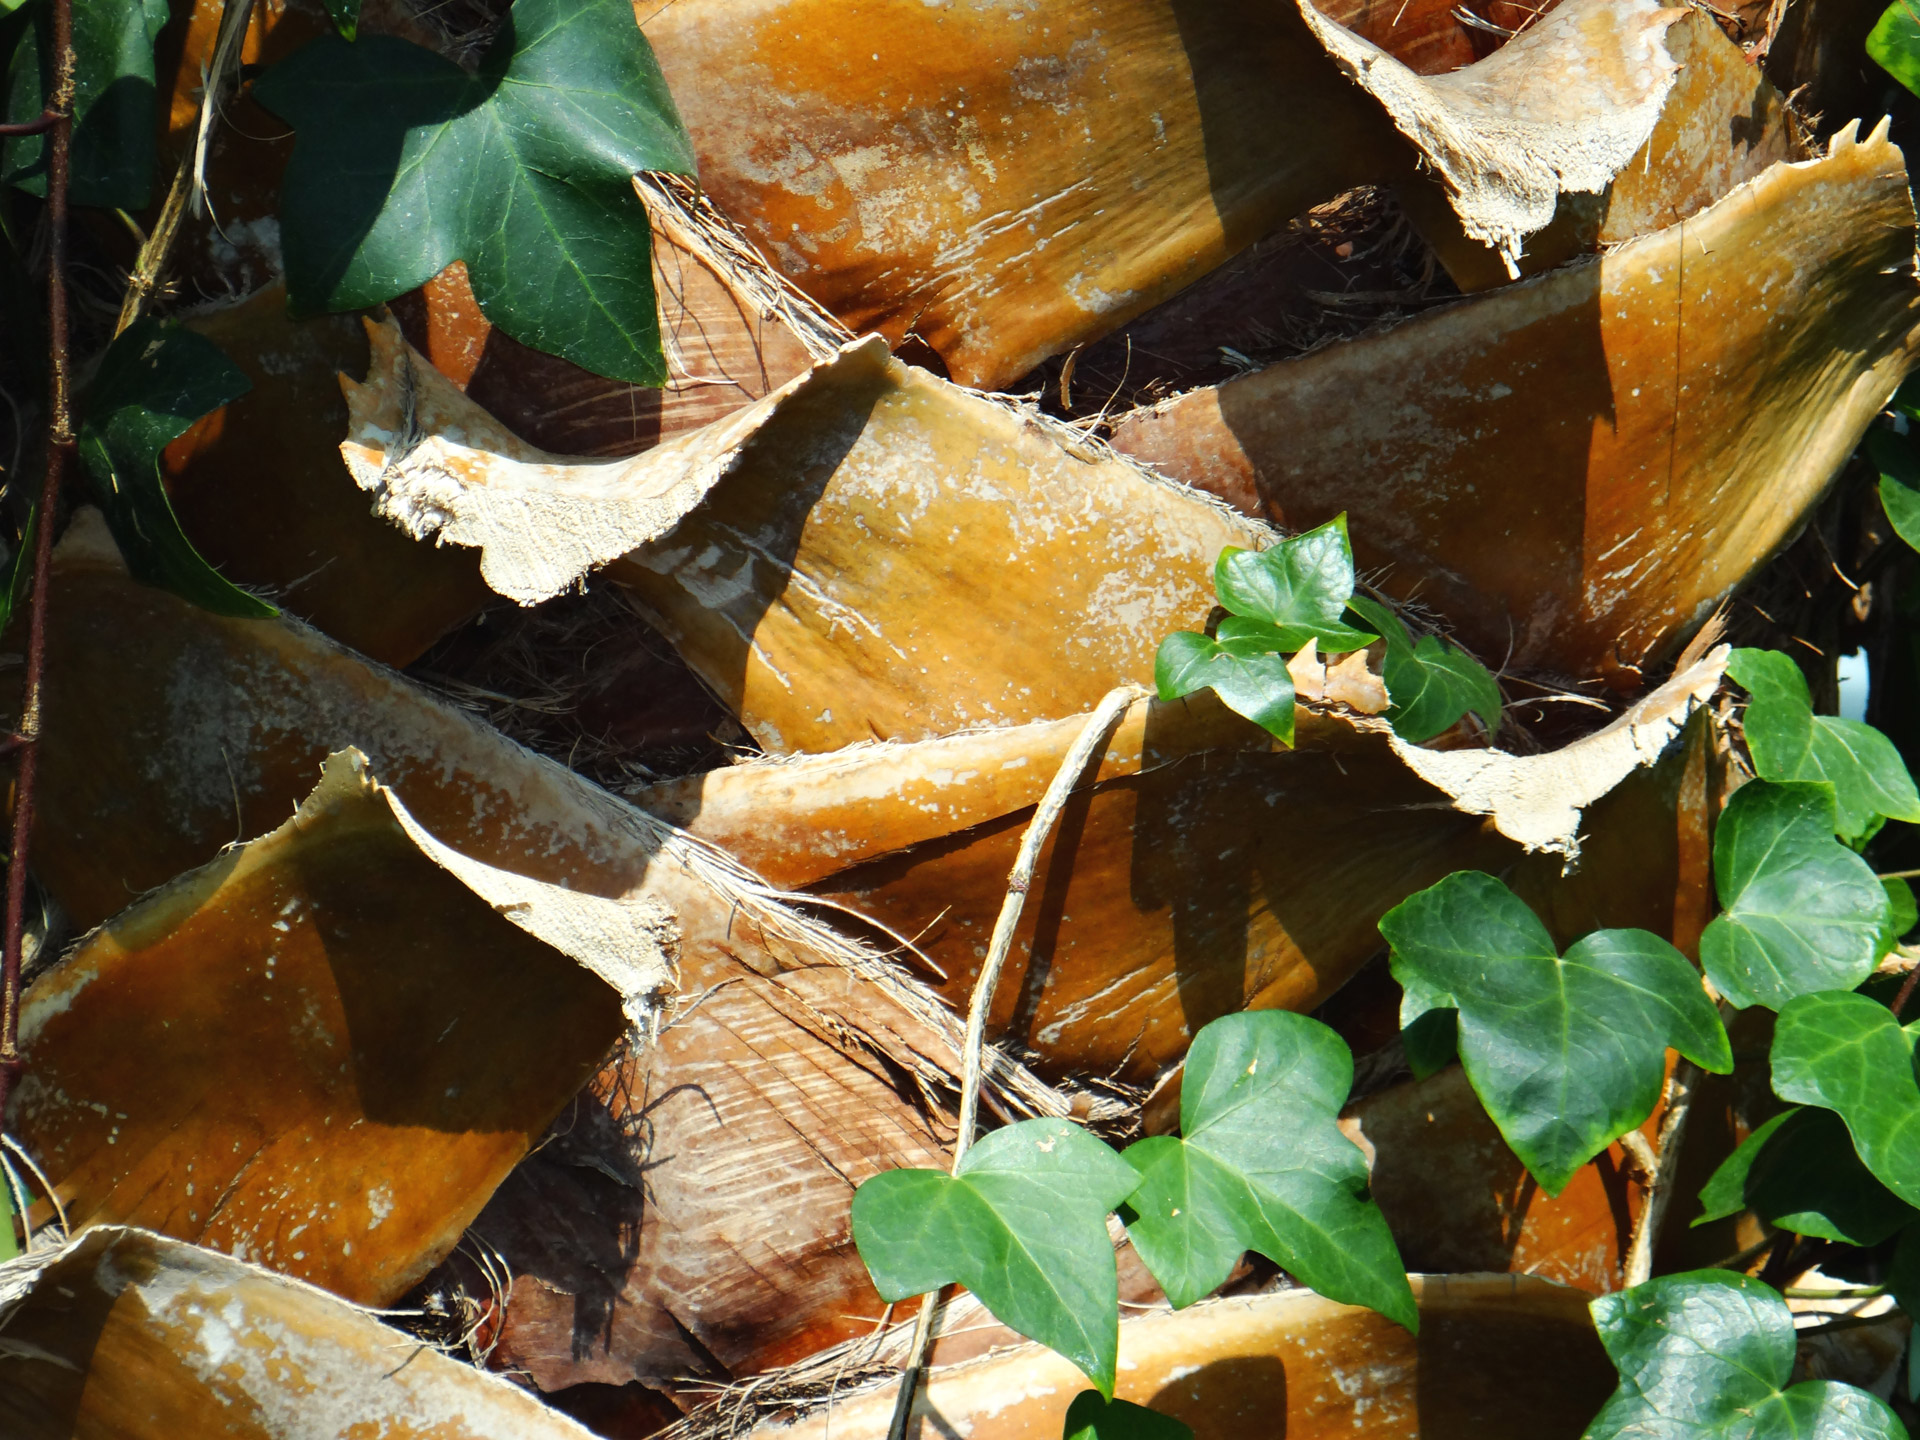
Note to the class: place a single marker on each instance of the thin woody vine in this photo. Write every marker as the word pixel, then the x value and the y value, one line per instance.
pixel 1566 1049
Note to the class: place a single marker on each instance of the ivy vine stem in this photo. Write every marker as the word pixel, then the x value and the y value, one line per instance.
pixel 1093 734
pixel 60 449
pixel 1653 1208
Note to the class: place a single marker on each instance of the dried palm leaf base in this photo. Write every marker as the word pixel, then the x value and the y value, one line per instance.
pixel 1575 469
pixel 324 1049
pixel 797 1064
pixel 1498 1356
pixel 124 1335
pixel 1206 868
pixel 860 555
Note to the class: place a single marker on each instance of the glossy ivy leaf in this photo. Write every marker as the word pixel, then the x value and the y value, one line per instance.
pixel 1789 742
pixel 1848 1054
pixel 1903 913
pixel 1300 586
pixel 346 17
pixel 1022 1225
pixel 1431 684
pixel 1706 1355
pixel 1903 1279
pixel 404 163
pixel 1894 43
pixel 1567 1053
pixel 1902 504
pixel 114 127
pixel 154 381
pixel 1247 673
pixel 1093 1417
pixel 1799 1172
pixel 1800 911
pixel 1431 1039
pixel 1261 1164
pixel 13 589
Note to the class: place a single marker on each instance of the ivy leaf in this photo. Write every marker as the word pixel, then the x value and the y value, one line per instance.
pixel 1790 742
pixel 1246 672
pixel 1261 1165
pixel 1022 1225
pixel 1300 586
pixel 1902 504
pixel 1894 43
pixel 114 128
pixel 1848 1054
pixel 404 163
pixel 9 1247
pixel 1567 1053
pixel 1801 912
pixel 154 381
pixel 1903 1279
pixel 1093 1417
pixel 346 17
pixel 1798 1172
pixel 1903 913
pixel 1705 1356
pixel 1431 684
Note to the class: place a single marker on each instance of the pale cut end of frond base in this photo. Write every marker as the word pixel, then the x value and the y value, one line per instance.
pixel 1537 799
pixel 629 943
pixel 1560 110
pixel 442 469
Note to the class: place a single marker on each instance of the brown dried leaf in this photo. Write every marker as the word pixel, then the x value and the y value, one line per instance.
pixel 124 1335
pixel 1582 465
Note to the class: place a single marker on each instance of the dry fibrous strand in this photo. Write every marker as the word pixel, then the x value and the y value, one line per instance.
pixel 1577 468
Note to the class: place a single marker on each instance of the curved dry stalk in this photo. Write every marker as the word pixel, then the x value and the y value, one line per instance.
pixel 1093 734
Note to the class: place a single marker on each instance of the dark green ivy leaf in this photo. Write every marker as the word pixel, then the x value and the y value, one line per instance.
pixel 154 381
pixel 114 110
pixel 1800 911
pixel 1092 1417
pixel 1247 673
pixel 405 163
pixel 1431 684
pixel 1798 1172
pixel 1567 1053
pixel 1706 1356
pixel 1022 1225
pixel 1789 742
pixel 1894 43
pixel 1848 1054
pixel 1262 1165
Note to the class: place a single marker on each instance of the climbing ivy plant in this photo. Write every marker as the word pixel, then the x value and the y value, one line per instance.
pixel 403 163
